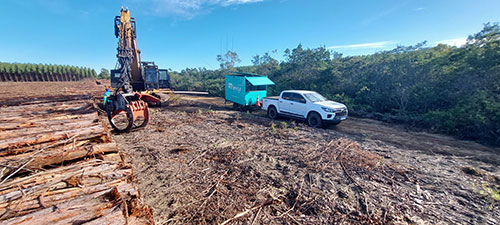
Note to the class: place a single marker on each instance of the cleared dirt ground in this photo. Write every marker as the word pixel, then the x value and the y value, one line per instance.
pixel 198 162
pixel 15 93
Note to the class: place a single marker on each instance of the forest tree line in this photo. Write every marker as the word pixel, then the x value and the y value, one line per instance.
pixel 452 90
pixel 26 72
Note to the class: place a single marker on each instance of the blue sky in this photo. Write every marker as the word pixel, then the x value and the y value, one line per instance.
pixel 190 33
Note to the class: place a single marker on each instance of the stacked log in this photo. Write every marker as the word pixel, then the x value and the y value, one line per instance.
pixel 59 166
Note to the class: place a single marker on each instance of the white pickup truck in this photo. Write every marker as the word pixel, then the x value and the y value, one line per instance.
pixel 306 105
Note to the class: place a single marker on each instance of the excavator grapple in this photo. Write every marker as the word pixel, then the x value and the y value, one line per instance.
pixel 126 111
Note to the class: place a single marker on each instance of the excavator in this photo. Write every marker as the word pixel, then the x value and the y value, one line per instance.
pixel 133 80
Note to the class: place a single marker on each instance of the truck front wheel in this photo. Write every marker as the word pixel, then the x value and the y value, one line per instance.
pixel 272 112
pixel 314 120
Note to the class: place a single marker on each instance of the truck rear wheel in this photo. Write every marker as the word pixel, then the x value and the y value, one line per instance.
pixel 272 112
pixel 314 120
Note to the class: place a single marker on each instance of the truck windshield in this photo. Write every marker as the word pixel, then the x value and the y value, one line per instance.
pixel 315 97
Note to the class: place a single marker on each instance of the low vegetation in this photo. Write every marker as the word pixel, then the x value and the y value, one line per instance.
pixel 452 90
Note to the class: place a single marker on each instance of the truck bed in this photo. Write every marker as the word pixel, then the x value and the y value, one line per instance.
pixel 272 97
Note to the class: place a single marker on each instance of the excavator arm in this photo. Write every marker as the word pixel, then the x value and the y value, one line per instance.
pixel 129 56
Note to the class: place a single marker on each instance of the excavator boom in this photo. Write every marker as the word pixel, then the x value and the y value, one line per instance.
pixel 132 74
pixel 127 46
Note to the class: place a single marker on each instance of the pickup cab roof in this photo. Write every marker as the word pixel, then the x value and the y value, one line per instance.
pixel 298 91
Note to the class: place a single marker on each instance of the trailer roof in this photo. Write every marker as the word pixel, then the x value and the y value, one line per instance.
pixel 245 74
pixel 257 81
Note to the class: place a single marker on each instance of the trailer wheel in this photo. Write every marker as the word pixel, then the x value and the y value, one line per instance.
pixel 272 112
pixel 314 120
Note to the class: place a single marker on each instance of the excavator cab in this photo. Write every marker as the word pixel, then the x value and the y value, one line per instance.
pixel 155 78
pixel 151 78
pixel 164 80
pixel 151 75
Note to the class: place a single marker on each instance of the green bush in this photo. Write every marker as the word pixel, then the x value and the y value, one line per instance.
pixel 453 90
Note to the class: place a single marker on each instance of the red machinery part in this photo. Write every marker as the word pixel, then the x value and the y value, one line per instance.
pixel 150 99
pixel 134 110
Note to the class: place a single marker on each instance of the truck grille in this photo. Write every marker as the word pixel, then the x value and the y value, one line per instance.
pixel 341 113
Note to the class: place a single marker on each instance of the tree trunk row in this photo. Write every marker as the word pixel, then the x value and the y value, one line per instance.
pixel 38 77
pixel 24 128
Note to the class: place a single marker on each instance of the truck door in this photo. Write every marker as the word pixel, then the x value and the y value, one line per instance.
pixel 285 104
pixel 298 105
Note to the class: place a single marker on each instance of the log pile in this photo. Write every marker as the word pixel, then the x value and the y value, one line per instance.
pixel 59 166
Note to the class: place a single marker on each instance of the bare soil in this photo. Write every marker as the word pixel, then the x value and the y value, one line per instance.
pixel 16 93
pixel 198 162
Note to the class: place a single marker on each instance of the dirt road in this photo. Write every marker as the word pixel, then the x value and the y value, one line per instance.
pixel 198 162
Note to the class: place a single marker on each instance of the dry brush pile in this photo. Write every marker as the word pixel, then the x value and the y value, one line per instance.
pixel 216 167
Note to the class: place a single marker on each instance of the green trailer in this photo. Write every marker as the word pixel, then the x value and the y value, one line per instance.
pixel 243 89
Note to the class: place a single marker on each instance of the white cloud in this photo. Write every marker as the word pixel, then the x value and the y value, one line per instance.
pixel 458 42
pixel 372 45
pixel 419 9
pixel 234 2
pixel 189 9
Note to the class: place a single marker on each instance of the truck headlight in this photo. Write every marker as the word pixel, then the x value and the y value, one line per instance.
pixel 328 109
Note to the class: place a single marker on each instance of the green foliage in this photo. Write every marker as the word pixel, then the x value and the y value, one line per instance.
pixel 104 74
pixel 284 125
pixel 264 64
pixel 491 192
pixel 174 99
pixel 293 125
pixel 273 128
pixel 215 87
pixel 228 60
pixel 453 90
pixel 199 79
pixel 42 72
